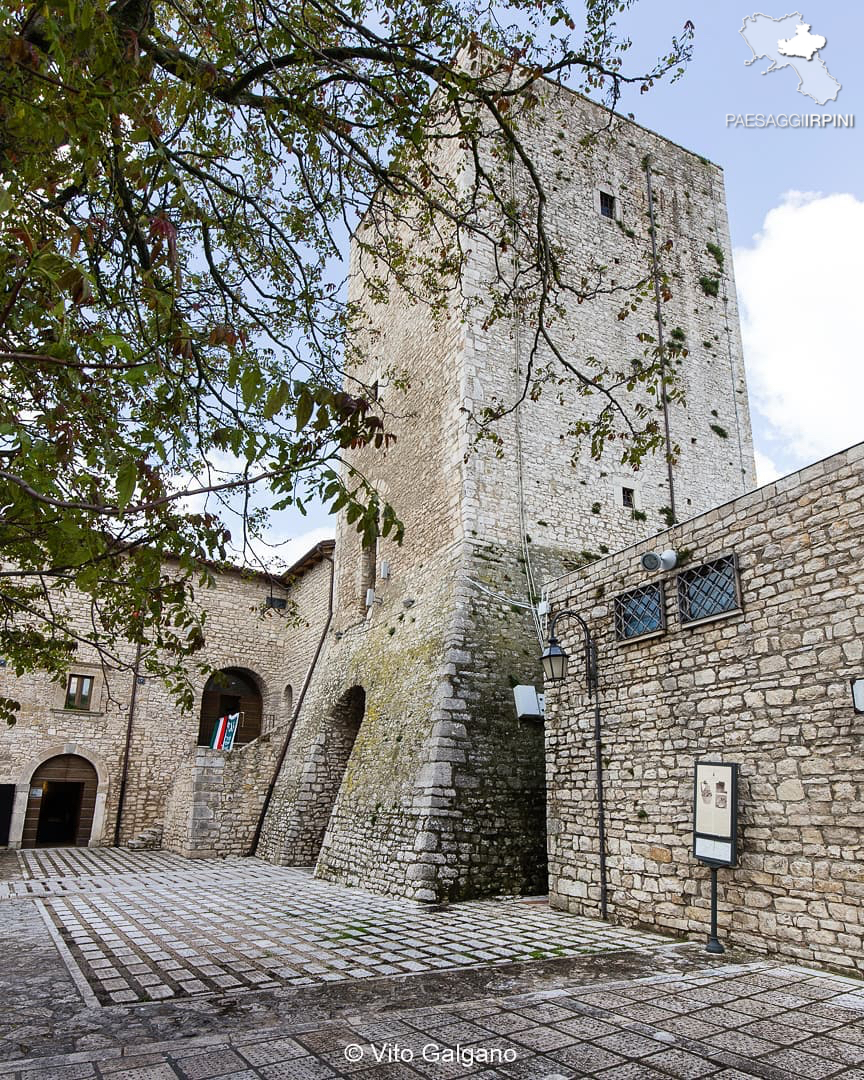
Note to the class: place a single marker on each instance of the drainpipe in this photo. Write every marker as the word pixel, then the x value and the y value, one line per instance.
pixel 271 787
pixel 661 343
pixel 124 775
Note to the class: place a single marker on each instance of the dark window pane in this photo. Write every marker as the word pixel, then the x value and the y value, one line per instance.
pixel 607 204
pixel 71 691
pixel 639 612
pixel 79 690
pixel 708 590
pixel 628 497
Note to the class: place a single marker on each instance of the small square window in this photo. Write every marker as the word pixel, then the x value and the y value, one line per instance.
pixel 607 204
pixel 628 498
pixel 710 589
pixel 79 691
pixel 640 612
pixel 278 603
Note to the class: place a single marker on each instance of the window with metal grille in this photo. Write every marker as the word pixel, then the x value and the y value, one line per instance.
pixel 640 612
pixel 710 589
pixel 607 204
pixel 628 497
pixel 79 690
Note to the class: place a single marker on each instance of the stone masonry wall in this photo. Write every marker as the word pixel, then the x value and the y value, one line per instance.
pixel 768 687
pixel 577 505
pixel 274 648
pixel 443 794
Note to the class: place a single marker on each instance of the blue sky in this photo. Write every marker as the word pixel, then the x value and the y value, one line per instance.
pixel 796 208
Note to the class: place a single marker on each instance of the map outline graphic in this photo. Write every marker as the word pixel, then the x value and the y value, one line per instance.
pixel 814 79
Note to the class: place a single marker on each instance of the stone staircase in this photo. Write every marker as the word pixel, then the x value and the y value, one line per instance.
pixel 148 840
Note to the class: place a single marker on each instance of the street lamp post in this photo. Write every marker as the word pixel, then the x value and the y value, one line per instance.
pixel 555 662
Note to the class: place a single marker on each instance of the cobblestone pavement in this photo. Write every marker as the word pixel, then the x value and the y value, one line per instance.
pixel 638 1009
pixel 154 926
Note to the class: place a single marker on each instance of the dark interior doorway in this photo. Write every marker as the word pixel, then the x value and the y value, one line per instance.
pixel 60 813
pixel 61 803
pixel 7 799
pixel 230 691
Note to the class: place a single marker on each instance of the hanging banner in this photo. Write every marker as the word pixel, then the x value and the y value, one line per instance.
pixel 715 813
pixel 225 731
pixel 233 722
pixel 218 733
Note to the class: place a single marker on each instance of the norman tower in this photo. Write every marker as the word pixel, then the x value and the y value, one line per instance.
pixel 408 770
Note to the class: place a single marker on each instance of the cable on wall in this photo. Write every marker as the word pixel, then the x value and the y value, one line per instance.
pixel 729 353
pixel 660 341
pixel 533 591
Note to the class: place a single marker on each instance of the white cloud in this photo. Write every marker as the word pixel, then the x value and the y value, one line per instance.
pixel 766 470
pixel 278 551
pixel 800 290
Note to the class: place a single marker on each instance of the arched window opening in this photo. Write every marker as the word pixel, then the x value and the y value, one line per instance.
pixel 288 701
pixel 232 690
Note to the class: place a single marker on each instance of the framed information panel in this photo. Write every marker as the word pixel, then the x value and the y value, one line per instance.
pixel 715 812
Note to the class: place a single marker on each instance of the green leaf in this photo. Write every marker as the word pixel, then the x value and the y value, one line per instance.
pixel 127 478
pixel 250 382
pixel 303 411
pixel 276 398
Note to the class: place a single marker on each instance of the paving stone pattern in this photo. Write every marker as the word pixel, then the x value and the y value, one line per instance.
pixel 729 1022
pixel 151 926
pixel 624 1006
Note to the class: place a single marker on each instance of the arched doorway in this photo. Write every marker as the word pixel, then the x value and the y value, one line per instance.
pixel 340 734
pixel 229 691
pixel 60 803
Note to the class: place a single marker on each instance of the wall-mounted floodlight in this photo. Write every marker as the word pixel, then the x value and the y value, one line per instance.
pixel 529 704
pixel 652 561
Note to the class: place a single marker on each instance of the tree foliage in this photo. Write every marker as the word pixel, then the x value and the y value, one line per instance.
pixel 178 181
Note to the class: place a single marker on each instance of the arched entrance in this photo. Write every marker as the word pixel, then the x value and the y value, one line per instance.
pixel 229 691
pixel 340 734
pixel 60 804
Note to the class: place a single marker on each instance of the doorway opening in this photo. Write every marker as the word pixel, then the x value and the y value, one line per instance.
pixel 61 803
pixel 7 800
pixel 341 731
pixel 229 691
pixel 60 813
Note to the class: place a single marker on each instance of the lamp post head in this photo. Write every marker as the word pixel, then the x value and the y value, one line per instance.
pixel 554 661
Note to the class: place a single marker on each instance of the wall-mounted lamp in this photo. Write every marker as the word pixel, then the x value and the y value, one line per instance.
pixel 555 660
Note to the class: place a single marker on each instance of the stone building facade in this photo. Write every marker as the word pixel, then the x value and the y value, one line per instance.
pixel 408 771
pixel 195 800
pixel 760 678
pixel 403 767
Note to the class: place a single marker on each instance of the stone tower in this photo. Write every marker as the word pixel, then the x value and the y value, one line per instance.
pixel 408 771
